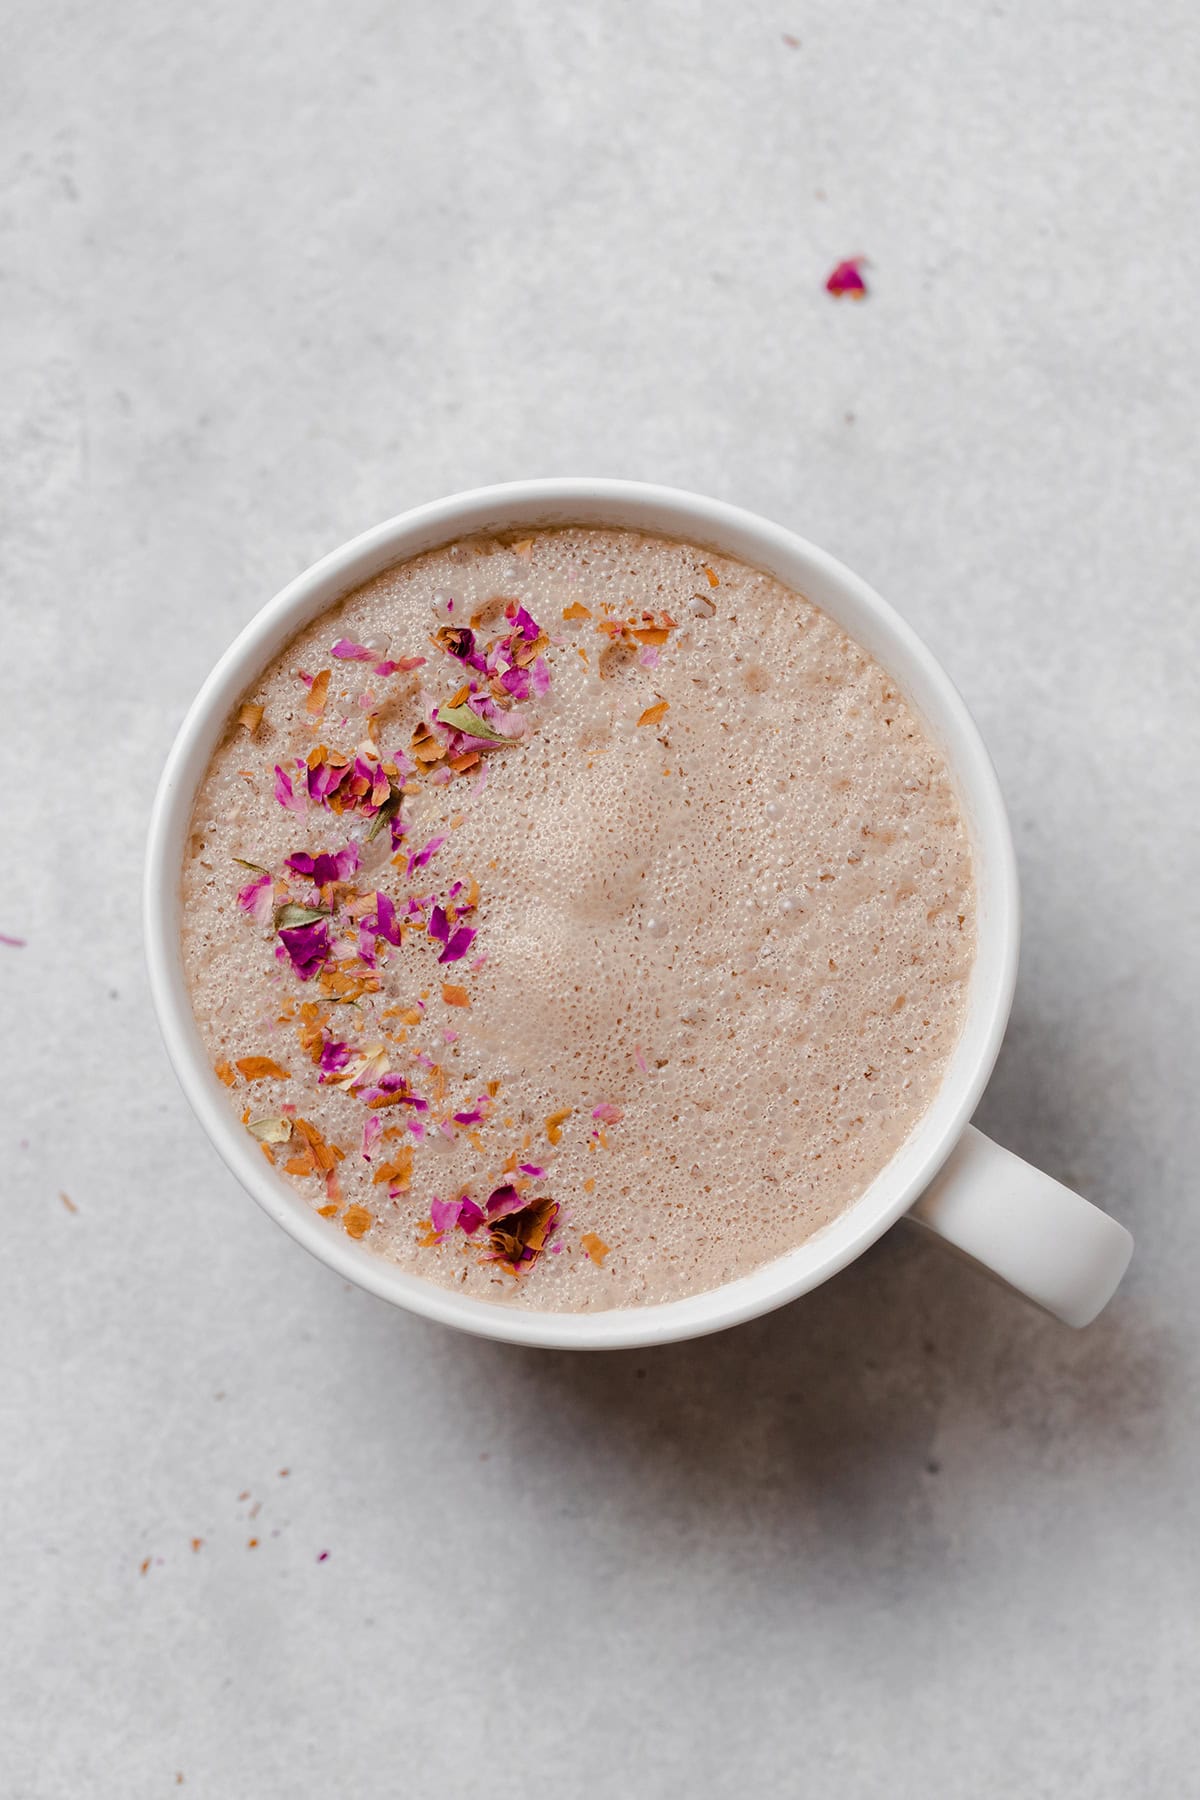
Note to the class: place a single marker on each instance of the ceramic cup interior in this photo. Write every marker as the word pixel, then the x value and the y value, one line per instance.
pixel 799 565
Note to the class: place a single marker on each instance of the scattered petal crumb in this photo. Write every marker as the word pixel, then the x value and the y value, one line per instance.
pixel 144 1566
pixel 846 281
pixel 793 43
pixel 196 1543
pixel 653 714
pixel 323 1556
pixel 596 1248
pixel 283 1473
pixel 14 943
pixel 67 1202
pixel 252 1544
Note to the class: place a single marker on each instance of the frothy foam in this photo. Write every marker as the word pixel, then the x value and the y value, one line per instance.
pixel 747 925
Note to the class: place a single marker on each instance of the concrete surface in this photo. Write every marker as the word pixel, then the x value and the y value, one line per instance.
pixel 269 273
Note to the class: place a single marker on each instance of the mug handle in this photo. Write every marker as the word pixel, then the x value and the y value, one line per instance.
pixel 1025 1229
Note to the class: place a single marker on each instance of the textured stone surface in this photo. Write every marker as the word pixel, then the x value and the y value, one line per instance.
pixel 269 274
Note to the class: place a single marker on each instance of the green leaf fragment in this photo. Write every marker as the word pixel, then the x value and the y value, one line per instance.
pixel 291 915
pixel 461 718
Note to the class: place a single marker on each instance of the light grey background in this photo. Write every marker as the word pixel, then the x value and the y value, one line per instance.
pixel 270 273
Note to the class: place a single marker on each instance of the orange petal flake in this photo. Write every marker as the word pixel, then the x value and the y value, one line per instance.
pixel 653 714
pixel 358 1221
pixel 455 996
pixel 224 1072
pixel 261 1068
pixel 315 704
pixel 397 1173
pixel 555 1122
pixel 576 610
pixel 596 1248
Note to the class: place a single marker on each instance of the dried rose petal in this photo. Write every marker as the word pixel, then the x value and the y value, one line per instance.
pixel 324 779
pixel 444 1214
pixel 334 1056
pixel 345 651
pixel 325 867
pixel 505 1200
pixel 307 946
pixel 517 1240
pixel 391 1090
pixel 470 1217
pixel 847 280
pixel 421 857
pixel 512 725
pixel 285 793
pixel 383 921
pixel 475 1116
pixel 607 1113
pixel 459 641
pixel 458 944
pixel 256 897
pixel 595 1247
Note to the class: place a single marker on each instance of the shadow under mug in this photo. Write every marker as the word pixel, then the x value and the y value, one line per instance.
pixel 1004 1215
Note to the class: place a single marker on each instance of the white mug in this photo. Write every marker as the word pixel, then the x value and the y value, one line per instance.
pixel 1014 1222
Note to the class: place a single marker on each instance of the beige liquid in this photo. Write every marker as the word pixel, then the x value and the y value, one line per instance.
pixel 746 926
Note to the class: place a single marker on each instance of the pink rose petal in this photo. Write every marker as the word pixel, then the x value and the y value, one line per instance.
pixel 256 899
pixel 307 946
pixel 847 280
pixel 285 793
pixel 444 1214
pixel 458 945
pixel 505 1200
pixel 421 857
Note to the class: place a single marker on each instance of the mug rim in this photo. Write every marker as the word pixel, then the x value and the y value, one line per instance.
pixel 712 524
